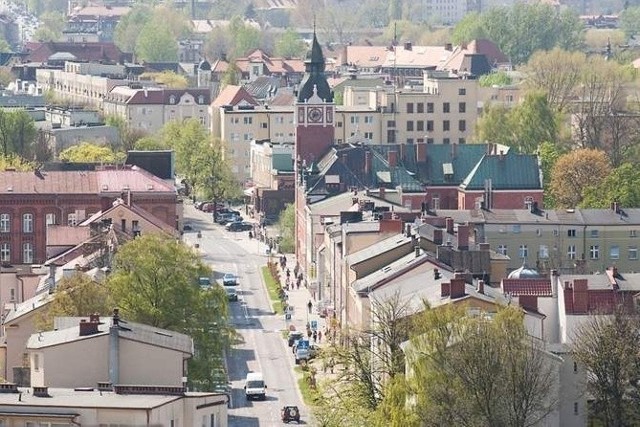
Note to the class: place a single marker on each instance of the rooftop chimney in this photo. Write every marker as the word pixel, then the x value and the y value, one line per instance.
pixel 448 47
pixel 457 287
pixel 367 162
pixel 89 327
pixel 436 274
pixel 449 225
pixel 392 158
pixel 437 236
pixel 417 250
pixel 445 289
pixel 407 46
pixel 480 286
pixel 463 237
pixel 41 391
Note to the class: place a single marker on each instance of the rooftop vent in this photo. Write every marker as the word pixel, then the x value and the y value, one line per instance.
pixel 105 187
pixel 8 388
pixel 150 390
pixel 104 386
pixel 41 392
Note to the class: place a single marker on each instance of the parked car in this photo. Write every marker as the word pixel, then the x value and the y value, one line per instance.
pixel 198 205
pixel 229 279
pixel 293 336
pixel 239 226
pixel 232 294
pixel 187 227
pixel 227 218
pixel 290 413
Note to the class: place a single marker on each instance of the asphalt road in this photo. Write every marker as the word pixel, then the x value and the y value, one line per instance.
pixel 263 350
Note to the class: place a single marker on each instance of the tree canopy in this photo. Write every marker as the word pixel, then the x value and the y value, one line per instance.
pixel 17 134
pixel 290 45
pixel 91 153
pixel 522 29
pixel 576 171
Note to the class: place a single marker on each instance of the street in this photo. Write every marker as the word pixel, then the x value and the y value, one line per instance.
pixel 263 350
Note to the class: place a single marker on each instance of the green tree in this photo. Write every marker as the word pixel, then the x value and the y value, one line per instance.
pixel 489 369
pixel 630 21
pixel 130 26
pixel 290 45
pixel 151 143
pixel 76 296
pixel 156 44
pixel 232 75
pixel 499 78
pixel 287 228
pixel 606 346
pixel 50 29
pixel 23 133
pixel 470 27
pixel 548 153
pixel 245 38
pixel 168 79
pixel 494 125
pixel 15 162
pixel 576 171
pixel 620 186
pixel 534 122
pixel 155 281
pixel 90 153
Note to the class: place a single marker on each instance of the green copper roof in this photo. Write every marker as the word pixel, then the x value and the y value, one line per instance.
pixel 510 171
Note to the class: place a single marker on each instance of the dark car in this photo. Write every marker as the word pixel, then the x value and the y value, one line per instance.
pixel 239 226
pixel 290 413
pixel 232 294
pixel 293 337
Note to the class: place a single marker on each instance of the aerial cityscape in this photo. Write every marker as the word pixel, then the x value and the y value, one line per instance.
pixel 247 213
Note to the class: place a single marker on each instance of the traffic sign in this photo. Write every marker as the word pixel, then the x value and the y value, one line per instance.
pixel 314 325
pixel 287 316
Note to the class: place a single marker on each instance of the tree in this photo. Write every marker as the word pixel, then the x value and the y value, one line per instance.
pixel 607 347
pixel 620 186
pixel 76 296
pixel 129 27
pixel 50 29
pixel 155 281
pixel 167 78
pixel 557 73
pixel 576 171
pixel 470 27
pixel 129 136
pixel 494 125
pixel 14 162
pixel 287 228
pixel 90 153
pixel 245 37
pixel 534 122
pixel 630 21
pixel 290 45
pixel 156 44
pixel 549 153
pixel 150 143
pixel 217 44
pixel 499 78
pixel 17 133
pixel 232 75
pixel 488 369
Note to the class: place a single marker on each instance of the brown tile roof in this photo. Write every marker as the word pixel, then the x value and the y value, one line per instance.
pixel 82 182
pixel 233 95
pixel 91 51
pixel 480 46
pixel 219 66
pixel 528 287
pixel 366 56
pixel 273 65
pixel 417 57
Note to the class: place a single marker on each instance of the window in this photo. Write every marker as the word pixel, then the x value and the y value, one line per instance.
pixel 462 140
pixel 339 124
pixel 523 251
pixel 264 125
pixel 446 141
pixel 409 126
pixel 248 120
pixel 571 252
pixel 571 232
pixel 410 107
pixel 594 251
pixel 543 252
pixel 632 233
pixel 420 125
pixel 575 408
pixel 27 253
pixel 429 125
pixel 36 362
pixel 409 140
pixel 355 120
pixel 27 223
pixel 12 294
pixel 446 125
pixel 420 107
pixel 462 125
pixel 594 234
pixel 72 220
pixel 435 201
pixel 462 91
pixel 446 107
pixel 633 252
pixel 516 228
pixel 429 140
pixel 5 223
pixel 556 233
pixel 172 99
pixel 201 99
pixel 391 123
pixel 502 249
pixel 462 107
pixel 368 135
pixel 212 421
pixel 5 252
pixel 429 107
pixel 202 120
pixel 614 252
pixel 123 225
pixel 368 119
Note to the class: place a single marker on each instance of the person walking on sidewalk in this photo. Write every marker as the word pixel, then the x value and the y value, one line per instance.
pixel 315 336
pixel 319 336
pixel 309 306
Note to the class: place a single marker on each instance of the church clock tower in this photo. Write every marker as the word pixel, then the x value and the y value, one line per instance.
pixel 314 110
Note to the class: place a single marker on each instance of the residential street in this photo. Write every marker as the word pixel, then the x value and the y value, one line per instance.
pixel 264 350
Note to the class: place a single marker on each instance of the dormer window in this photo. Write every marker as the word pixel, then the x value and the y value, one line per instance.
pixel 172 99
pixel 201 99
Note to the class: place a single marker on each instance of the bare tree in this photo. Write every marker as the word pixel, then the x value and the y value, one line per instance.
pixel 608 348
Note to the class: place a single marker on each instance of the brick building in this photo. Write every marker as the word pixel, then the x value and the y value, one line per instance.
pixel 29 201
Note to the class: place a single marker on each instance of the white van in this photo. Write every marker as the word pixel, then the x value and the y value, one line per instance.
pixel 254 386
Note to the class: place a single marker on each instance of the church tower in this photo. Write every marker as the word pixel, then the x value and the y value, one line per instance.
pixel 314 109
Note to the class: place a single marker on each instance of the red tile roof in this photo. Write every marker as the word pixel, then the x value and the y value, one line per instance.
pixel 530 287
pixel 82 182
pixel 91 51
pixel 234 95
pixel 273 65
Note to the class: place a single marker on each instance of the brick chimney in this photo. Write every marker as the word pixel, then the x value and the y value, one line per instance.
pixel 480 288
pixel 90 327
pixel 367 162
pixel 392 158
pixel 445 289
pixel 457 287
pixel 391 225
pixel 568 297
pixel 484 246
pixel 421 152
pixel 381 193
pixel 437 236
pixel 449 225
pixel 463 237
pixel 580 296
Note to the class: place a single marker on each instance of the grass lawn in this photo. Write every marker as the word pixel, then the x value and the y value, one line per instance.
pixel 308 395
pixel 272 290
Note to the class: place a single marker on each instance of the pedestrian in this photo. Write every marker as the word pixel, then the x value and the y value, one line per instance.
pixel 309 306
pixel 315 336
pixel 298 284
pixel 309 333
pixel 288 273
pixel 319 337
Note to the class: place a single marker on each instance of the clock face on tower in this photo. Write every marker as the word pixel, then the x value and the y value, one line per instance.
pixel 314 115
